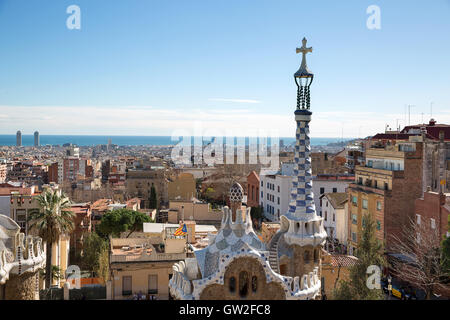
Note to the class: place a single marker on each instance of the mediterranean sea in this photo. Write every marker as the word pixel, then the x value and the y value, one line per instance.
pixel 87 140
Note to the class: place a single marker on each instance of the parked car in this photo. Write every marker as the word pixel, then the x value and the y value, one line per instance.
pixel 403 291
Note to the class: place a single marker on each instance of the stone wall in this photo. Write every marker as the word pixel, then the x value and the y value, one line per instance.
pixel 299 264
pixel 21 287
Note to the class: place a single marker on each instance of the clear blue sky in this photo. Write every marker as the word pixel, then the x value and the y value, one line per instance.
pixel 146 67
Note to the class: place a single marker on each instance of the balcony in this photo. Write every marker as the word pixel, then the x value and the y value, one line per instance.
pixel 144 253
pixel 369 189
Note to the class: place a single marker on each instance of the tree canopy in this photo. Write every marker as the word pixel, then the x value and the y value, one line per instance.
pixel 153 200
pixel 95 255
pixel 369 253
pixel 122 220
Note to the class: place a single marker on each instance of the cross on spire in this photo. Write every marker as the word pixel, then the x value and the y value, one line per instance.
pixel 304 50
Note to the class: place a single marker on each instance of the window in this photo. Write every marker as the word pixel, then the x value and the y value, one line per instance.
pixel 262 183
pixel 364 204
pixel 21 217
pixel 433 223
pixel 153 284
pixel 355 200
pixel 254 283
pixel 322 190
pixel 243 283
pixel 316 255
pixel 334 190
pixel 278 188
pixel 418 219
pixel 127 286
pixel 232 285
pixel 378 225
pixel 354 219
pixel 326 215
pixel 278 200
pixel 354 236
pixel 334 217
pixel 375 184
pixel 379 205
pixel 306 257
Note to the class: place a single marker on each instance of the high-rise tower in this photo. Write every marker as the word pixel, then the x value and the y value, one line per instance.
pixel 36 138
pixel 19 138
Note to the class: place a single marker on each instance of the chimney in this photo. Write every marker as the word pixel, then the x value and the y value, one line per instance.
pixel 432 122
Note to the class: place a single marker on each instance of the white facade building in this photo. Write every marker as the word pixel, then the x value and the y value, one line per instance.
pixel 335 216
pixel 275 189
pixel 274 194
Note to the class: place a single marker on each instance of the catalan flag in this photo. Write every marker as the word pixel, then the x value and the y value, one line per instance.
pixel 181 231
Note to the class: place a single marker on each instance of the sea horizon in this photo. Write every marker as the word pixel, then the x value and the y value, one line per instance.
pixel 130 140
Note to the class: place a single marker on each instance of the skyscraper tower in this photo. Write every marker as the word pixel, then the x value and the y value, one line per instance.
pixel 19 138
pixel 36 138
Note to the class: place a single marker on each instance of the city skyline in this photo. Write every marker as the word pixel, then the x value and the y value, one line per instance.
pixel 148 69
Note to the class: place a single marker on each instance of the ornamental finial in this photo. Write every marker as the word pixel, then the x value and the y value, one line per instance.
pixel 303 72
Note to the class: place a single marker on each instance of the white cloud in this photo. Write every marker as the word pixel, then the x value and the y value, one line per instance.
pixel 158 121
pixel 235 100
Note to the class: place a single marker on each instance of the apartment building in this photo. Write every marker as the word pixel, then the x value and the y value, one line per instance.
pixel 253 183
pixel 82 224
pixel 387 187
pixel 334 213
pixel 433 209
pixel 355 155
pixel 144 265
pixel 139 182
pixel 182 187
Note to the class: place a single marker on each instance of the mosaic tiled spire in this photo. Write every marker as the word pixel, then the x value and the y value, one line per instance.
pixel 302 197
pixel 301 221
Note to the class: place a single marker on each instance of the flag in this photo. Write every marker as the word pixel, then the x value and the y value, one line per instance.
pixel 181 231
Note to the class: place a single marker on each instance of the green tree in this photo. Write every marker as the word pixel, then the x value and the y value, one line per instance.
pixel 117 221
pixel 55 272
pixel 52 220
pixel 368 253
pixel 256 213
pixel 209 193
pixel 95 255
pixel 153 200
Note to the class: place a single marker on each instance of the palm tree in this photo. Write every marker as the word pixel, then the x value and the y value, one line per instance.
pixel 50 222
